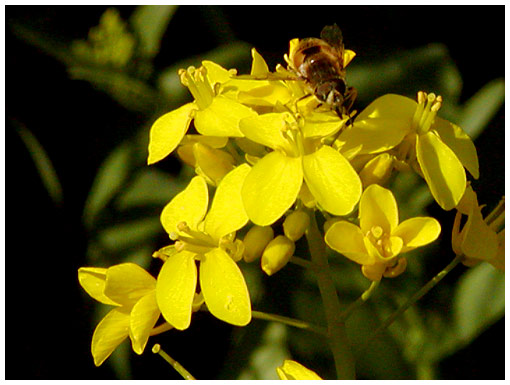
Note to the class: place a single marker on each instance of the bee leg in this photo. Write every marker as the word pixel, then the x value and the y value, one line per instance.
pixel 350 96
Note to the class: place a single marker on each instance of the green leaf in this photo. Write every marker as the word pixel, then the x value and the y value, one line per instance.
pixel 149 23
pixel 481 108
pixel 478 302
pixel 112 175
pixel 42 163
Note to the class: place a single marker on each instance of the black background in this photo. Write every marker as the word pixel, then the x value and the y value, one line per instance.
pixel 48 329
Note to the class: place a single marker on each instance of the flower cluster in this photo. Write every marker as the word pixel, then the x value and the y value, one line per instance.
pixel 271 152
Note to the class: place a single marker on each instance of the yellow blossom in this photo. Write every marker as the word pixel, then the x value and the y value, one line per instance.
pixel 438 149
pixel 210 240
pixel 292 370
pixel 132 291
pixel 379 239
pixel 299 155
pixel 213 113
pixel 480 240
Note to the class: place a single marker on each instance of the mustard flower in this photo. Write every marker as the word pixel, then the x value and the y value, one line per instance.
pixel 379 239
pixel 299 155
pixel 480 240
pixel 213 113
pixel 438 149
pixel 292 370
pixel 132 291
pixel 210 240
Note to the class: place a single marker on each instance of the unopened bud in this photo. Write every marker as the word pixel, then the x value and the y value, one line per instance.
pixel 277 254
pixel 213 163
pixel 295 225
pixel 255 242
pixel 395 271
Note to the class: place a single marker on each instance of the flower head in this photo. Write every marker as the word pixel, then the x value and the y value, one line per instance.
pixel 379 239
pixel 210 240
pixel 132 291
pixel 438 149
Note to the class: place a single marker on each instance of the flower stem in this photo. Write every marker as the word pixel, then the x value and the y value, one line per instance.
pixel 289 321
pixel 339 343
pixel 420 293
pixel 178 367
pixel 360 301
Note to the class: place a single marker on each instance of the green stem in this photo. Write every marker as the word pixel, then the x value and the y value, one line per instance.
pixel 339 343
pixel 289 321
pixel 360 301
pixel 420 293
pixel 178 367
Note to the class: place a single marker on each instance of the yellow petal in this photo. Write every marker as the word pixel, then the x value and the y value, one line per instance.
pixel 216 73
pixel 442 170
pixel 291 370
pixel 109 333
pixel 332 180
pixel 390 106
pixel 144 316
pixel 277 254
pixel 373 272
pixel 93 280
pixel 188 206
pixel 347 239
pixel 377 170
pixel 378 207
pixel 213 164
pixel 221 117
pixel 320 124
pixel 266 129
pixel 224 288
pixel 227 213
pixel 479 241
pixel 167 132
pixel 126 283
pixel 175 289
pixel 416 232
pixel 258 65
pixel 271 187
pixel 459 142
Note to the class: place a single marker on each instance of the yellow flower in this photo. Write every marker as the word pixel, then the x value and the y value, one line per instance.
pixel 292 370
pixel 379 239
pixel 213 113
pixel 132 291
pixel 275 181
pixel 209 239
pixel 480 240
pixel 438 149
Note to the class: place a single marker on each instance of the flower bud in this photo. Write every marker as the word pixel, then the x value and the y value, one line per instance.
pixel 295 225
pixel 214 164
pixel 255 242
pixel 277 253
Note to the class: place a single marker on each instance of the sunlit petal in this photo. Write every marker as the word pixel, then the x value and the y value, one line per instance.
pixel 291 370
pixel 93 281
pixel 109 333
pixel 126 283
pixel 347 239
pixel 144 316
pixel 416 232
pixel 378 207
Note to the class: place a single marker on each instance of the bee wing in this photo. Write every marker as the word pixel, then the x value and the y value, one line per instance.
pixel 332 35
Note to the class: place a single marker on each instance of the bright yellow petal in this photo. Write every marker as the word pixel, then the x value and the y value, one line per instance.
pixel 416 232
pixel 347 239
pixel 258 65
pixel 479 241
pixel 442 170
pixel 227 213
pixel 221 117
pixel 224 288
pixel 389 106
pixel 109 333
pixel 332 180
pixel 320 124
pixel 291 370
pixel 378 207
pixel 144 316
pixel 175 289
pixel 126 283
pixel 271 187
pixel 216 73
pixel 266 129
pixel 459 142
pixel 188 206
pixel 167 132
pixel 93 281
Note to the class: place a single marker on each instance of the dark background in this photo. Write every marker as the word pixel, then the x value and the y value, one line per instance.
pixel 48 328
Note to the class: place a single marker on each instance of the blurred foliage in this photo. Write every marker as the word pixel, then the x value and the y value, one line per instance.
pixel 121 213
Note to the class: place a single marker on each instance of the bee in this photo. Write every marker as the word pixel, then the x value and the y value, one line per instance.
pixel 320 64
